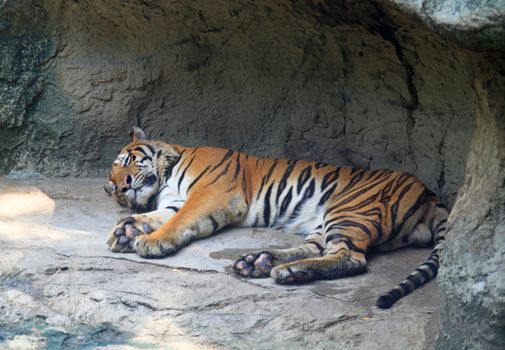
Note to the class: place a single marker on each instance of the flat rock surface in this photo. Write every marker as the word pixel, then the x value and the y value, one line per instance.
pixel 62 288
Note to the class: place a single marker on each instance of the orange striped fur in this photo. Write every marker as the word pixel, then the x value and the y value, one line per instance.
pixel 191 193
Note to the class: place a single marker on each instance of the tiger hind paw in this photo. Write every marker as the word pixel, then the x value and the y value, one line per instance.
pixel 254 265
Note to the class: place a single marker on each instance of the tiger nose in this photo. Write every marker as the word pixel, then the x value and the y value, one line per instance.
pixel 126 183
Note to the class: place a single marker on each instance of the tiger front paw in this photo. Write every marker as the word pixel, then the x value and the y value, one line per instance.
pixel 124 234
pixel 152 247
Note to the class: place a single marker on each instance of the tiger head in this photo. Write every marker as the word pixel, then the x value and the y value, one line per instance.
pixel 134 179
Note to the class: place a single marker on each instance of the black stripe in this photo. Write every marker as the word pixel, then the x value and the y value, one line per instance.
pixel 285 202
pixel 335 218
pixel 172 163
pixel 320 165
pixel 171 207
pixel 223 172
pixel 271 171
pixel 433 267
pixel 343 239
pixel 372 211
pixel 227 155
pixel 400 180
pixel 303 178
pixel 340 249
pixel 237 168
pixel 141 150
pixel 423 272
pixel 406 288
pixel 349 223
pixel 284 180
pixel 394 212
pixel 183 175
pixel 151 148
pixel 244 188
pixel 330 177
pixel 127 159
pixel 188 158
pixel 263 181
pixel 321 249
pixel 439 224
pixel 326 195
pixel 413 279
pixel 441 205
pixel 358 192
pixel 309 192
pixel 215 225
pixel 266 207
pixel 355 178
pixel 421 200
pixel 161 248
pixel 361 203
pixel 198 178
pixel 385 193
pixel 266 178
pixel 333 236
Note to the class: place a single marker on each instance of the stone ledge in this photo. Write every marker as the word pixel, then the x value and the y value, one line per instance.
pixel 62 288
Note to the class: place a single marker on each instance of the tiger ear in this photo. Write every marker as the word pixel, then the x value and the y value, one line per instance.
pixel 137 134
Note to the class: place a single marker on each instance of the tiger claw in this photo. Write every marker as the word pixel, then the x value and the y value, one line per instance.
pixel 146 248
pixel 291 273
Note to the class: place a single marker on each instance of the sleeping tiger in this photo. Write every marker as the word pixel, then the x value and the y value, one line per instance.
pixel 187 193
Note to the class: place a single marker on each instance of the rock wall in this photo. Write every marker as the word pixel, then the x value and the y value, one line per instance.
pixel 472 277
pixel 396 84
pixel 288 79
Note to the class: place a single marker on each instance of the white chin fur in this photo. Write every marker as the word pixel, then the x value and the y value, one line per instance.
pixel 140 197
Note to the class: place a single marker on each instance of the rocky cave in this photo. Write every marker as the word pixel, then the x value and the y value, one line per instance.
pixel 417 86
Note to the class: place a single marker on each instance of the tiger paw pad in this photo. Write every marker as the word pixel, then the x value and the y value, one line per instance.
pixel 125 232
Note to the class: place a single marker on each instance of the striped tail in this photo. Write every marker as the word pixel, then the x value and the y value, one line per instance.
pixel 426 271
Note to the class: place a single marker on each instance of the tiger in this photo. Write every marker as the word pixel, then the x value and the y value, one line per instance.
pixel 188 193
